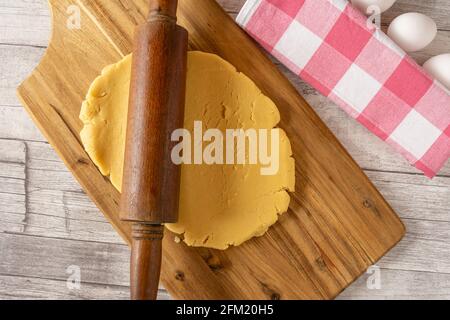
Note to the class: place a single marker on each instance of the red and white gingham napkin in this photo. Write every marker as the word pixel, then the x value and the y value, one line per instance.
pixel 329 44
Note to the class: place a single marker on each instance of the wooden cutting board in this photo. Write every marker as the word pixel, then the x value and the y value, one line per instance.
pixel 337 225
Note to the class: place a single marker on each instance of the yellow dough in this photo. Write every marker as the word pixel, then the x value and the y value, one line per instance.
pixel 220 205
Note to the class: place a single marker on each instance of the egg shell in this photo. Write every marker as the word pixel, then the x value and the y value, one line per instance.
pixel 439 68
pixel 363 5
pixel 412 31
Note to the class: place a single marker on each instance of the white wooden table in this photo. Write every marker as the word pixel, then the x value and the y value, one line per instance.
pixel 48 224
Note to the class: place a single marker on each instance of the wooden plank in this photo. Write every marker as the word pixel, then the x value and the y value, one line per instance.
pixel 38 195
pixel 48 179
pixel 12 159
pixel 425 248
pixel 15 124
pixel 414 196
pixel 395 284
pixel 16 63
pixel 400 285
pixel 24 22
pixel 41 257
pixel 12 185
pixel 28 288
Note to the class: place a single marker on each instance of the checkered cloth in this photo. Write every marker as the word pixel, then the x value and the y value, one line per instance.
pixel 330 45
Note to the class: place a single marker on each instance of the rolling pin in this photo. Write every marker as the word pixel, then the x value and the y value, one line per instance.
pixel 151 181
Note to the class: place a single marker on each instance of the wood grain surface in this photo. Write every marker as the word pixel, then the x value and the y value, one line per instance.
pixel 45 214
pixel 337 225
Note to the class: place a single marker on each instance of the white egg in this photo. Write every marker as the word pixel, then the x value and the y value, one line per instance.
pixel 439 68
pixel 412 31
pixel 363 5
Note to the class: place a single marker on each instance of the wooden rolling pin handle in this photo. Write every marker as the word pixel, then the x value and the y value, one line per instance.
pixel 163 8
pixel 146 256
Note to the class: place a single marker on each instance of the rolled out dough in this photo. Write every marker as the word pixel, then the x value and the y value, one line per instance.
pixel 220 205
